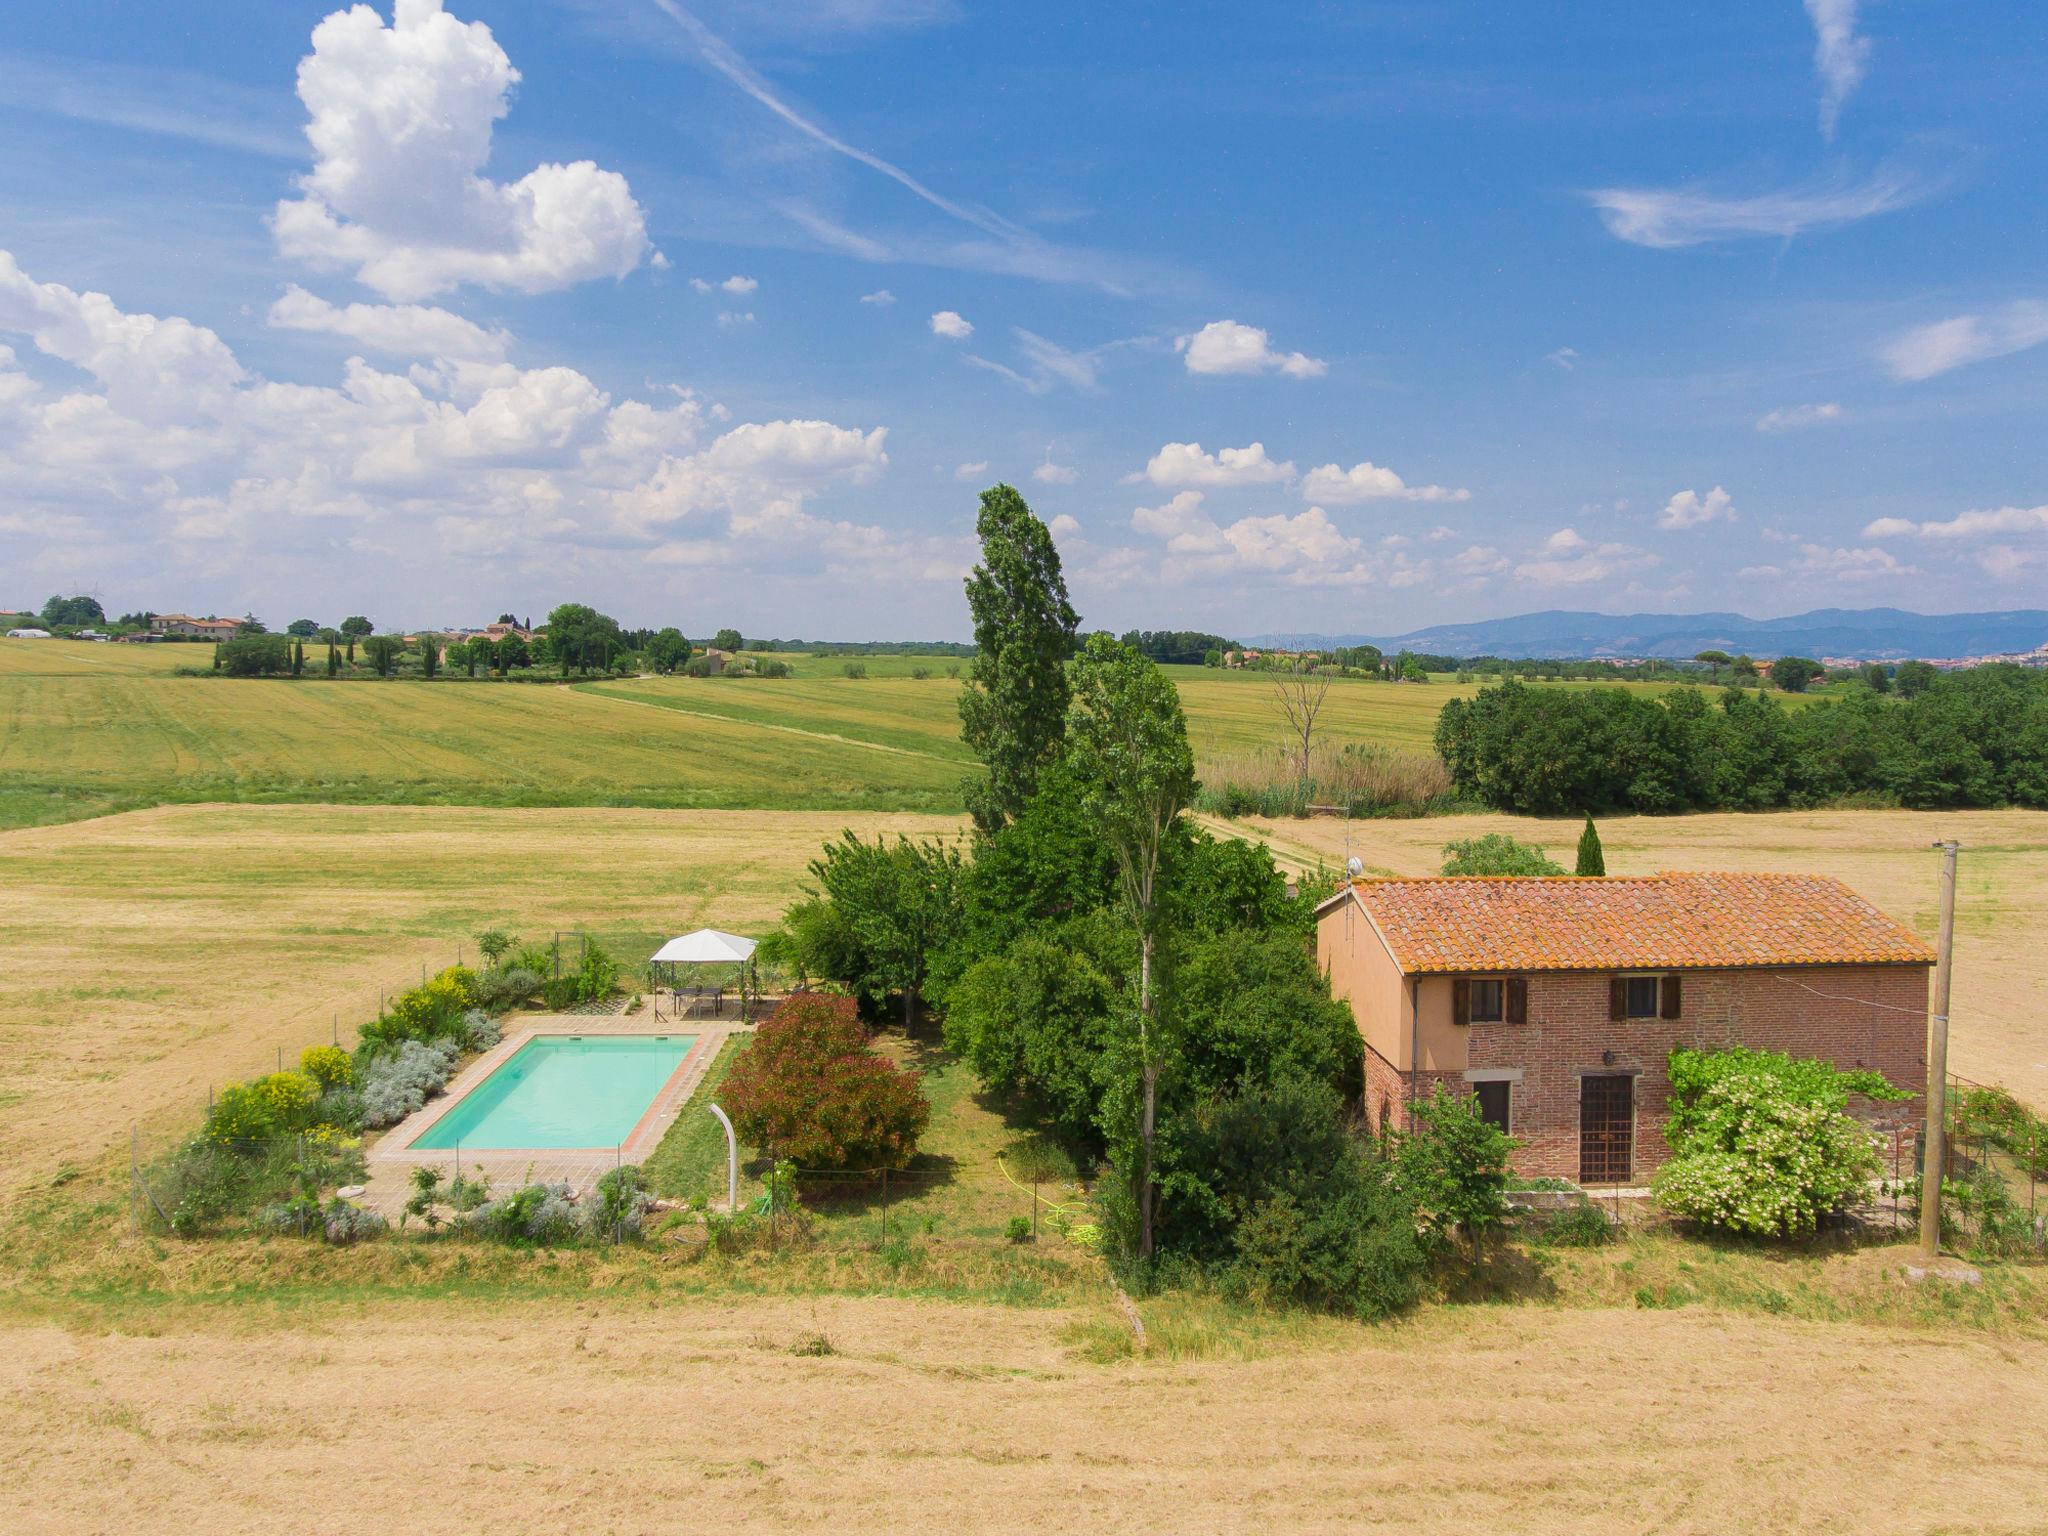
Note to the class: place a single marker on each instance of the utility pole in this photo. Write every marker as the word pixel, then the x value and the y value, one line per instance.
pixel 1935 1158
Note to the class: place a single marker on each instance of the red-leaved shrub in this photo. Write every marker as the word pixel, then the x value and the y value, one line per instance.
pixel 812 1089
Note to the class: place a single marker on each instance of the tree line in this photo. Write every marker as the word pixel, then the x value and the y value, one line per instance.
pixel 1972 738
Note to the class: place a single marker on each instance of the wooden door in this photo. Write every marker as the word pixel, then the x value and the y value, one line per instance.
pixel 1607 1125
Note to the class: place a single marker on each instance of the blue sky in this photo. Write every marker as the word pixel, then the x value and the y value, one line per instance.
pixel 1289 317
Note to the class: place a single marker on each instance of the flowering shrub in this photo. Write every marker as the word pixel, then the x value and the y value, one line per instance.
pixel 424 1012
pixel 293 1099
pixel 810 1087
pixel 1763 1143
pixel 240 1117
pixel 328 1065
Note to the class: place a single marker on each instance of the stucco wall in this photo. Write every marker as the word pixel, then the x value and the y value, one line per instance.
pixel 1364 974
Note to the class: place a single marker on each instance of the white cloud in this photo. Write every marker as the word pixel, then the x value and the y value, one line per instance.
pixel 1306 548
pixel 735 317
pixel 1224 346
pixel 1049 473
pixel 1688 509
pixel 1063 526
pixel 1840 57
pixel 1566 358
pixel 1370 482
pixel 1834 564
pixel 737 286
pixel 1792 417
pixel 400 120
pixel 949 324
pixel 882 298
pixel 971 470
pixel 407 330
pixel 174 449
pixel 1187 464
pixel 2002 562
pixel 1567 558
pixel 1928 350
pixel 1671 218
pixel 1965 525
pixel 1477 560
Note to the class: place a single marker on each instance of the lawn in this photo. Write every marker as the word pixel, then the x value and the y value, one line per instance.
pixel 978 1166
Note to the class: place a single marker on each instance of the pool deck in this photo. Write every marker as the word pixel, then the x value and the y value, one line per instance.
pixel 393 1158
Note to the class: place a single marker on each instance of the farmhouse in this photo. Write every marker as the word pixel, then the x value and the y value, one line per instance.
pixel 185 624
pixel 1556 1000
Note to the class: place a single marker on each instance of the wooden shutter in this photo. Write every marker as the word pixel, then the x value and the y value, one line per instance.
pixel 1518 999
pixel 1617 997
pixel 1461 1001
pixel 1671 997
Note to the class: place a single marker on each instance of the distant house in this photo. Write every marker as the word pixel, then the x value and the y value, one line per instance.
pixel 92 634
pixel 197 629
pixel 718 659
pixel 1555 1001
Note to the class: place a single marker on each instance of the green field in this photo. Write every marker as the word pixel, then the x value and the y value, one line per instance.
pixel 87 729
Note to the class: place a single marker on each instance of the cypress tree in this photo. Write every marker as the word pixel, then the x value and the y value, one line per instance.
pixel 298 658
pixel 430 655
pixel 333 660
pixel 1591 860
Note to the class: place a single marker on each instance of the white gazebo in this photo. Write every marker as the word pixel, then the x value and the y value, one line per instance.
pixel 707 946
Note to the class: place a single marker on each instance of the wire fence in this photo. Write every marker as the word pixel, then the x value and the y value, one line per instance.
pixel 1995 1170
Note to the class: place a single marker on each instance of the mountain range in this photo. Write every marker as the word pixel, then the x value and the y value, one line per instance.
pixel 1876 634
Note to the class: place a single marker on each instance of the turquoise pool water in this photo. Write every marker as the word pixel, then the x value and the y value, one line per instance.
pixel 562 1091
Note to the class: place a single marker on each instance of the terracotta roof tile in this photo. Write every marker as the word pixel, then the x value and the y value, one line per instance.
pixel 1654 922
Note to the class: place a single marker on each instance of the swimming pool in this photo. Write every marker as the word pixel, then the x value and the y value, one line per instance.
pixel 559 1091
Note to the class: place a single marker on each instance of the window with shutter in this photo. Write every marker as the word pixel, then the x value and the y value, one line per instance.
pixel 1518 999
pixel 1641 997
pixel 1672 1004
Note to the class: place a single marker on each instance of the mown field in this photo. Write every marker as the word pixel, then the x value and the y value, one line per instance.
pixel 88 729
pixel 640 1410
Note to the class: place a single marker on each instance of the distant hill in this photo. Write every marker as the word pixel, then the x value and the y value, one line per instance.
pixel 1878 634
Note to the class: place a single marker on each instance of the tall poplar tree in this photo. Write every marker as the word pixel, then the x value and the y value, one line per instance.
pixel 1128 743
pixel 1013 709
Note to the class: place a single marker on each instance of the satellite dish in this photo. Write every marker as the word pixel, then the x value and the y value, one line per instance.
pixel 1354 866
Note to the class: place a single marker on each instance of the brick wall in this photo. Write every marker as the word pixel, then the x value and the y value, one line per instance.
pixel 1569 1030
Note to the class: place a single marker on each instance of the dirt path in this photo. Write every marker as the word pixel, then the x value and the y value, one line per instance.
pixel 645 1416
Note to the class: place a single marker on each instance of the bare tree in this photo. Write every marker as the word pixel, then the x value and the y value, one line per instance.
pixel 1300 696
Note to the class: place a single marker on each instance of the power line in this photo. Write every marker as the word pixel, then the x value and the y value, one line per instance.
pixel 1839 997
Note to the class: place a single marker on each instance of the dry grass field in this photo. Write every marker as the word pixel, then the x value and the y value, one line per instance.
pixel 651 1413
pixel 1999 1034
